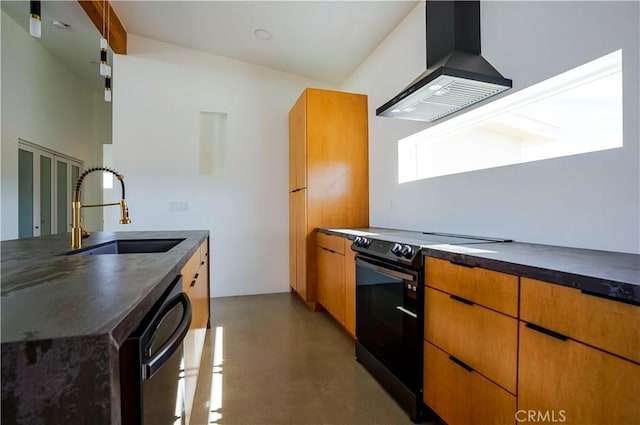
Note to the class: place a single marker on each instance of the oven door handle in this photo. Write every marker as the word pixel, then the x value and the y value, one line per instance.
pixel 405 311
pixel 152 365
pixel 388 272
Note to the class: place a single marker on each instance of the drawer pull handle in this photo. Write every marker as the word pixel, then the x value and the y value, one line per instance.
pixel 546 331
pixel 195 278
pixel 461 264
pixel 462 300
pixel 202 263
pixel 461 364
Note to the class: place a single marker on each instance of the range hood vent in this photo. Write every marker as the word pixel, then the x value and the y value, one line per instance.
pixel 457 75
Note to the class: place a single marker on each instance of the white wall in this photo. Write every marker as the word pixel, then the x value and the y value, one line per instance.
pixel 590 200
pixel 159 92
pixel 43 102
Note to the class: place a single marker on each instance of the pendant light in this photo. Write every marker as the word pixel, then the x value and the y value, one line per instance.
pixel 34 19
pixel 107 88
pixel 103 57
pixel 105 69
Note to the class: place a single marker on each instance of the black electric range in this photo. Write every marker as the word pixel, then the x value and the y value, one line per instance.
pixel 390 309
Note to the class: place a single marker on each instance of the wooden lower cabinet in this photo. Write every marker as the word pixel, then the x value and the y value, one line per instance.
pixel 564 356
pixel 350 288
pixel 195 277
pixel 331 289
pixel 471 343
pixel 199 297
pixel 483 339
pixel 580 384
pixel 462 396
pixel 495 290
pixel 336 279
pixel 609 325
pixel 195 282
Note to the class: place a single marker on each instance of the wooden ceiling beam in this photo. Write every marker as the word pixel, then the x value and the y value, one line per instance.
pixel 100 11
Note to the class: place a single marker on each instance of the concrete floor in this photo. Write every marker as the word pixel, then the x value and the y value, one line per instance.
pixel 281 363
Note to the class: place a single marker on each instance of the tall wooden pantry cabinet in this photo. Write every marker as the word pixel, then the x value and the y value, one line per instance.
pixel 328 176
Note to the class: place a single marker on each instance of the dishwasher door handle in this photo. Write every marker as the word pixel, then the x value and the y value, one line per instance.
pixel 405 311
pixel 151 365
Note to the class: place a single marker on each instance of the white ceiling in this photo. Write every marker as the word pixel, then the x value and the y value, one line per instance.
pixel 323 40
pixel 76 47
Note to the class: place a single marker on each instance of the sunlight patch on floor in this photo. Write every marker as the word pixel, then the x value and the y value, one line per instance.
pixel 215 402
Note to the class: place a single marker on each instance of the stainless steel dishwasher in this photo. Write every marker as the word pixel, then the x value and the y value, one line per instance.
pixel 151 363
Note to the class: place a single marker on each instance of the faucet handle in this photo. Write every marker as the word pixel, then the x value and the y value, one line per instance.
pixel 124 213
pixel 83 231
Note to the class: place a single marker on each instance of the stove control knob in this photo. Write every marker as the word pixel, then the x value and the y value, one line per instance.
pixel 357 241
pixel 366 242
pixel 407 251
pixel 396 249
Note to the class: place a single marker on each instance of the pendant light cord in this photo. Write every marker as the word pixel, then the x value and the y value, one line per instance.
pixel 108 22
pixel 103 16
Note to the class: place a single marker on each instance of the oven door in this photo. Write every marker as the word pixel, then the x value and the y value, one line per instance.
pixel 388 317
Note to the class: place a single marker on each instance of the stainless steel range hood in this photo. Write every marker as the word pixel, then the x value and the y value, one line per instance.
pixel 457 75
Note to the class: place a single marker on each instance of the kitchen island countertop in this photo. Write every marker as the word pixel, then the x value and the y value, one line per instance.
pixel 66 316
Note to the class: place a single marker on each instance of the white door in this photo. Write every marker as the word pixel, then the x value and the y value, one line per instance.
pixel 45 189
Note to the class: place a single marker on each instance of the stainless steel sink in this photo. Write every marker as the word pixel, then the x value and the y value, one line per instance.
pixel 128 246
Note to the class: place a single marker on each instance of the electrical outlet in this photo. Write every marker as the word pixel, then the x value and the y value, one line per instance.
pixel 178 205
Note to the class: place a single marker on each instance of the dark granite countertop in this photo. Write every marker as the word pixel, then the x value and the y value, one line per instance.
pixel 65 317
pixel 46 295
pixel 610 274
pixel 358 231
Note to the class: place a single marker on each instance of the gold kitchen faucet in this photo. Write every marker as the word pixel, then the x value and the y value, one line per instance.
pixel 78 232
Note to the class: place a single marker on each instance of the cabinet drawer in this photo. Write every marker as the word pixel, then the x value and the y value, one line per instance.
pixel 609 325
pixel 496 290
pixel 586 385
pixel 485 340
pixel 330 280
pixel 204 251
pixel 460 396
pixel 199 297
pixel 189 270
pixel 331 242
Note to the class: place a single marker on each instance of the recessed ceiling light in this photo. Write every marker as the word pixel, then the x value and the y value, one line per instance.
pixel 262 34
pixel 395 111
pixel 435 87
pixel 61 25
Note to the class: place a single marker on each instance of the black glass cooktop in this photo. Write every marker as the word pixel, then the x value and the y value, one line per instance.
pixel 431 238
